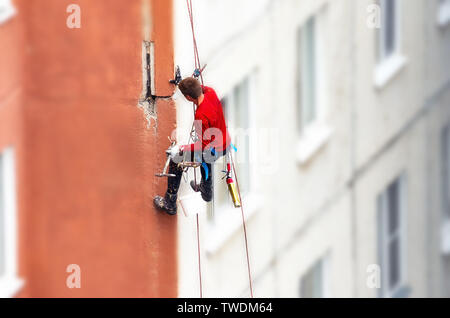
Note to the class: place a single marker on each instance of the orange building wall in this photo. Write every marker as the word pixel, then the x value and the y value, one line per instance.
pixel 85 158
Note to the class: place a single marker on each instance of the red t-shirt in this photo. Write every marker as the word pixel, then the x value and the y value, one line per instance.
pixel 210 113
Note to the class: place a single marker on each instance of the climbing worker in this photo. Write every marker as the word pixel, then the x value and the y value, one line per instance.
pixel 213 142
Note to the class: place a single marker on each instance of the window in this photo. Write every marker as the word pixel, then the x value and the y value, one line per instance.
pixel 313 282
pixel 236 106
pixel 445 232
pixel 445 146
pixel 7 10
pixel 389 31
pixel 391 238
pixel 389 57
pixel 444 12
pixel 307 101
pixel 9 283
pixel 224 220
pixel 311 79
pixel 147 100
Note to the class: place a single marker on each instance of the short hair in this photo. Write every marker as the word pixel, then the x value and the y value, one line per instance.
pixel 190 87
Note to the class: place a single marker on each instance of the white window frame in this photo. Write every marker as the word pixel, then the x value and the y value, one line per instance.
pixel 445 157
pixel 10 283
pixel 324 262
pixel 307 61
pixel 389 65
pixel 443 14
pixel 227 219
pixel 383 239
pixel 7 10
pixel 315 134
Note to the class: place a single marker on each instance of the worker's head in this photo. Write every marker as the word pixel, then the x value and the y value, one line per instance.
pixel 190 88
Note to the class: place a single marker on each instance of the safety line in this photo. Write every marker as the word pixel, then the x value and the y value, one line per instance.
pixel 194 40
pixel 244 226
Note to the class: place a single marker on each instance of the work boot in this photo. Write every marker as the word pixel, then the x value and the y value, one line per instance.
pixel 204 191
pixel 167 204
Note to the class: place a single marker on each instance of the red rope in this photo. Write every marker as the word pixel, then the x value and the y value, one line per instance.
pixel 191 18
pixel 245 228
pixel 194 40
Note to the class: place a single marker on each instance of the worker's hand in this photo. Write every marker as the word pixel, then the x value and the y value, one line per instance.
pixel 174 151
pixel 183 148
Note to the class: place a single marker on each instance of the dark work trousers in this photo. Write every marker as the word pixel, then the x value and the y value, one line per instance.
pixel 207 156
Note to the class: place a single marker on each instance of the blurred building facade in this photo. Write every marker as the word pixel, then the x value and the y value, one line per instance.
pixel 345 111
pixel 340 111
pixel 79 148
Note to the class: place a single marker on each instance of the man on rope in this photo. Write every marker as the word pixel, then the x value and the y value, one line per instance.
pixel 213 142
